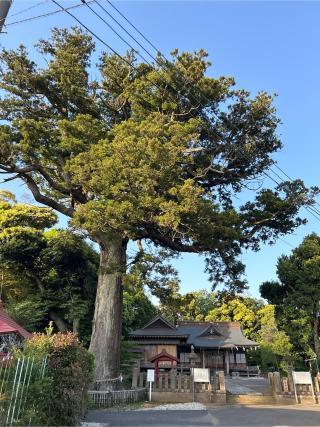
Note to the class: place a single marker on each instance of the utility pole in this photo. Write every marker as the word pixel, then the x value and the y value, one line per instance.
pixel 4 9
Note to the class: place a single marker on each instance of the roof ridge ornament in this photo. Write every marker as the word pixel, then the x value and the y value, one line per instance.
pixel 211 331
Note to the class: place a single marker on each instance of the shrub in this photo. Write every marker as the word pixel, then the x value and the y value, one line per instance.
pixel 60 398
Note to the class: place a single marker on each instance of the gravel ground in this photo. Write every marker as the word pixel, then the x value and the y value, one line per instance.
pixel 195 406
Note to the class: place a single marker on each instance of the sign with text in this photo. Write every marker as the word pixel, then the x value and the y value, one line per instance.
pixel 150 375
pixel 201 375
pixel 302 377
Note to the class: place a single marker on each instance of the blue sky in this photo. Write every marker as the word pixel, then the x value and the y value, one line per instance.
pixel 271 46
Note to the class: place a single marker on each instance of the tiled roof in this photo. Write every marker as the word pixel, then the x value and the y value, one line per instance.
pixel 200 334
pixel 8 325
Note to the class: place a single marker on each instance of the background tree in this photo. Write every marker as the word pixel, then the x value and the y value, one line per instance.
pixel 47 275
pixel 190 306
pixel 142 153
pixel 239 309
pixel 297 294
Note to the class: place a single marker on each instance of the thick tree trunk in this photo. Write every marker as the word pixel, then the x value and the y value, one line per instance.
pixel 316 335
pixel 60 323
pixel 75 326
pixel 107 321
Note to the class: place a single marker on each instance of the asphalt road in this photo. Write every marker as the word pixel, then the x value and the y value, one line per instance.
pixel 235 416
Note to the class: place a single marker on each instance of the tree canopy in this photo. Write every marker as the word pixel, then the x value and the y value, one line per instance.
pixel 297 294
pixel 142 152
pixel 48 274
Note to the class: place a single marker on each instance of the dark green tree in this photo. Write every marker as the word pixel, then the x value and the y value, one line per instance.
pixel 142 153
pixel 48 275
pixel 297 295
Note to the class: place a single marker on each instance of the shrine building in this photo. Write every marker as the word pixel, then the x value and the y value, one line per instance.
pixel 214 345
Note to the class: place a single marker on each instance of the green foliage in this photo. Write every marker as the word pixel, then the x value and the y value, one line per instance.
pixel 60 398
pixel 128 359
pixel 137 311
pixel 258 322
pixel 238 309
pixel 190 306
pixel 297 296
pixel 48 274
pixel 154 153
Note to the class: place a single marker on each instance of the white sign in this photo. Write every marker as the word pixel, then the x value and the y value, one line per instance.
pixel 150 375
pixel 302 377
pixel 201 375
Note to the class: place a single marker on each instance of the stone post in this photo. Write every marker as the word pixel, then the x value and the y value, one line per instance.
pixel 173 379
pixel 222 385
pixel 226 355
pixel 135 375
pixel 277 382
pixel 141 380
pixel 290 378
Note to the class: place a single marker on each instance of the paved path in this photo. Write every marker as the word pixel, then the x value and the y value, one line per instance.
pixel 257 386
pixel 235 416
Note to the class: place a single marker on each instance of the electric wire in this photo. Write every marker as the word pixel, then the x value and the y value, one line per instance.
pixel 24 10
pixel 315 213
pixel 44 15
pixel 123 28
pixel 311 209
pixel 111 48
pixel 116 32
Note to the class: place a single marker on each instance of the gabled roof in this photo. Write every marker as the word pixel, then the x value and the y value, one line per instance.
pixel 224 334
pixel 210 332
pixel 159 322
pixel 163 356
pixel 9 326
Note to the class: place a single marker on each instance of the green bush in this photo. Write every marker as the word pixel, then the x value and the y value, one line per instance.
pixel 60 398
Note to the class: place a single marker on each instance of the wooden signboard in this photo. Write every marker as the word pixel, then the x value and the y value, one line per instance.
pixel 302 378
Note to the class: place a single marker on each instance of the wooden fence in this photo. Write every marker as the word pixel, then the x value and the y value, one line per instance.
pixel 107 399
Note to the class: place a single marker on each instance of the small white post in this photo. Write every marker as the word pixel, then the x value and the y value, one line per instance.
pixel 150 379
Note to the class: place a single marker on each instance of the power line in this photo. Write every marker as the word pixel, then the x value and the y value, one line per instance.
pixel 115 31
pixel 314 211
pixel 133 26
pixel 90 31
pixel 123 28
pixel 123 59
pixel 113 50
pixel 44 15
pixel 25 10
pixel 311 210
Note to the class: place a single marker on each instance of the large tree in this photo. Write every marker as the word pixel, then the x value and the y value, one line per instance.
pixel 297 294
pixel 136 152
pixel 47 274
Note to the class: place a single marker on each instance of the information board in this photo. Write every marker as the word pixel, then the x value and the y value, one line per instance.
pixel 201 375
pixel 150 375
pixel 302 377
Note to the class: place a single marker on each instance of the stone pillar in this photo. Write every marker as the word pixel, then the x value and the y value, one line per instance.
pixel 179 382
pixel 277 382
pixel 173 380
pixel 141 380
pixel 222 385
pixel 135 375
pixel 226 355
pixel 290 378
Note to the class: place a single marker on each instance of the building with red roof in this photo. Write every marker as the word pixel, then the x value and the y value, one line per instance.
pixel 11 333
